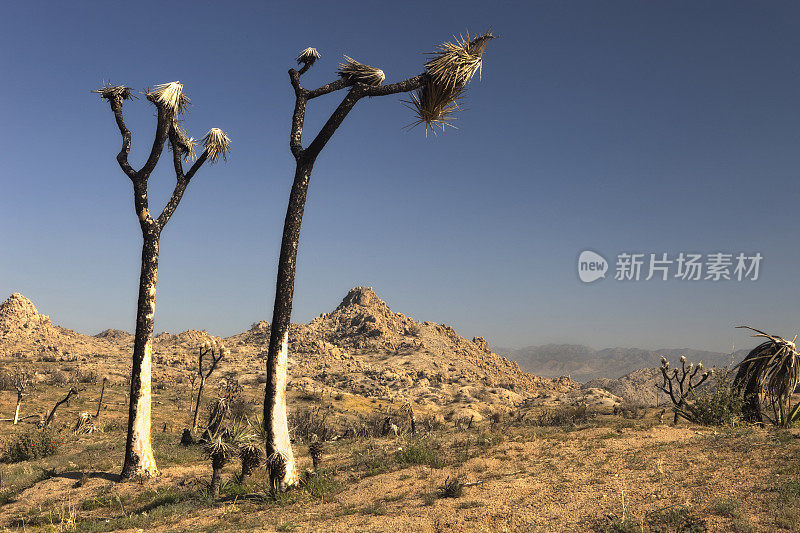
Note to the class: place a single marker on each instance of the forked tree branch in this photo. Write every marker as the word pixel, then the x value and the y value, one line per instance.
pixel 122 156
pixel 162 130
pixel 182 180
pixel 358 91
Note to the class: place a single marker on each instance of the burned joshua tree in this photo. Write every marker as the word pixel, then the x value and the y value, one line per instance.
pixel 214 350
pixel 438 90
pixel 680 384
pixel 769 375
pixel 21 380
pixel 170 103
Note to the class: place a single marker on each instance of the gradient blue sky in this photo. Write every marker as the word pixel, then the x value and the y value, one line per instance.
pixel 626 125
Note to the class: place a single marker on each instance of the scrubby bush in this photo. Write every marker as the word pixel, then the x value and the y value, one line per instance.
pixel 719 405
pixel 32 444
pixel 565 415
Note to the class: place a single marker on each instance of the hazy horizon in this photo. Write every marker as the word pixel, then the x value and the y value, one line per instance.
pixel 611 127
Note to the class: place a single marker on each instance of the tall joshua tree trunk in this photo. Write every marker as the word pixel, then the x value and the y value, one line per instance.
pixel 361 80
pixel 138 448
pixel 170 102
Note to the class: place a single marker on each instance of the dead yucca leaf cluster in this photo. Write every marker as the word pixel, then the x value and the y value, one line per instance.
pixel 308 56
pixel 217 144
pixel 110 92
pixel 771 371
pixel 449 70
pixel 185 143
pixel 171 96
pixel 360 73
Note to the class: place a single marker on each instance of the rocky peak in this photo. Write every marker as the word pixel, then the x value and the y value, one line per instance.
pixel 19 312
pixel 362 297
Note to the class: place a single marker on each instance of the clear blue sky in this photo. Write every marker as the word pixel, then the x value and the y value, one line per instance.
pixel 612 126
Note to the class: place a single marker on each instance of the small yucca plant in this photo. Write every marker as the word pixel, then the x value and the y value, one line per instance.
pixel 216 143
pixel 251 453
pixel 170 95
pixel 358 72
pixel 308 56
pixel 221 448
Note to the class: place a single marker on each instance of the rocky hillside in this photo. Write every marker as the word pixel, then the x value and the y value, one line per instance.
pixel 361 347
pixel 25 333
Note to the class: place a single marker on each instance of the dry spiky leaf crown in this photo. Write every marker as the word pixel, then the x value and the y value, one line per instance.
pixel 185 143
pixel 170 95
pixel 110 92
pixel 216 144
pixel 358 72
pixel 308 56
pixel 449 70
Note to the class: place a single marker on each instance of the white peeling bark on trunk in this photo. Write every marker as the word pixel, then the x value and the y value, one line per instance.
pixel 142 443
pixel 280 423
pixel 16 412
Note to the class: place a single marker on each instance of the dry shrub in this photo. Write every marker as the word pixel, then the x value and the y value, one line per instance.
pixel 311 424
pixel 567 415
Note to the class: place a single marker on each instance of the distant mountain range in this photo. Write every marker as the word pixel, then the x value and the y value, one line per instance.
pixel 583 363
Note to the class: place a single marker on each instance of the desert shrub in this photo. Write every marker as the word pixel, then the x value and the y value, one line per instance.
pixel 241 408
pixel 678 519
pixel 79 375
pixel 632 410
pixel 6 380
pixel 421 452
pixel 431 423
pixel 452 488
pixel 720 405
pixel 370 425
pixel 321 483
pixel 57 378
pixel 311 424
pixel 564 416
pixel 32 444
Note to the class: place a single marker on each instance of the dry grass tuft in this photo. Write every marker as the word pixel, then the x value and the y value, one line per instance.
pixel 358 72
pixel 216 144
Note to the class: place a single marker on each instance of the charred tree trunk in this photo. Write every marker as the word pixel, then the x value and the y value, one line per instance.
pixel 72 392
pixel 278 444
pixel 139 458
pixel 275 418
pixel 100 401
pixel 216 476
pixel 197 405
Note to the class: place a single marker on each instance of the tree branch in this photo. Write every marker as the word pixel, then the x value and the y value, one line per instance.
pixel 332 124
pixel 197 165
pixel 400 87
pixel 182 180
pixel 122 156
pixel 162 129
pixel 298 117
pixel 341 83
